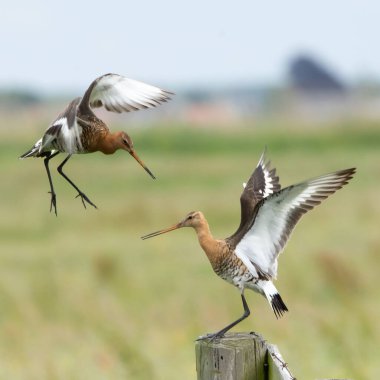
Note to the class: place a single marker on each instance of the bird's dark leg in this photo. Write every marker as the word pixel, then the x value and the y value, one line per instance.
pixel 220 333
pixel 53 202
pixel 81 194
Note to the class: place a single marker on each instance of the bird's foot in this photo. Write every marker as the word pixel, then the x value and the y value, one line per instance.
pixel 84 198
pixel 212 337
pixel 53 202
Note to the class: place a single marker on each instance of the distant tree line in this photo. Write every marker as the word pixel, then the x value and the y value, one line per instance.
pixel 18 97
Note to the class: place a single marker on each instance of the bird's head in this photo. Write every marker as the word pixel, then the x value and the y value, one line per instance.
pixel 192 219
pixel 123 141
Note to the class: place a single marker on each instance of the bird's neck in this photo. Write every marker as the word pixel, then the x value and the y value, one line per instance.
pixel 108 144
pixel 207 241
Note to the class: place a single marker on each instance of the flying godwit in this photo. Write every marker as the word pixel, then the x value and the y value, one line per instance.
pixel 248 258
pixel 78 130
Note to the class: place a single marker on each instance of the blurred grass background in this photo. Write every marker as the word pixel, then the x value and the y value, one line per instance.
pixel 82 297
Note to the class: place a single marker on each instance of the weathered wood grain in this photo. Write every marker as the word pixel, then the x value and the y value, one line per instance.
pixel 239 356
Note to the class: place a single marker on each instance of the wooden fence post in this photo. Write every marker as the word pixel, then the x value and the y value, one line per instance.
pixel 240 356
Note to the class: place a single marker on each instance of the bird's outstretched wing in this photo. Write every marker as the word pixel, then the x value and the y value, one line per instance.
pixel 119 94
pixel 262 183
pixel 276 216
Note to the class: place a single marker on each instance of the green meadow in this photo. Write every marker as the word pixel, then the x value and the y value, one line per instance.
pixel 83 297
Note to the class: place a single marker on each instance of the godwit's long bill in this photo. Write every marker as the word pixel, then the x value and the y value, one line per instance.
pixel 248 258
pixel 78 130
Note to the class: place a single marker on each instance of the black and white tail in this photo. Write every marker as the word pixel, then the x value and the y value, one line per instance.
pixel 273 297
pixel 278 305
pixel 34 151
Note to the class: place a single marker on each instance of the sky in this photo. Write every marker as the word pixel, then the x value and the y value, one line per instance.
pixel 62 46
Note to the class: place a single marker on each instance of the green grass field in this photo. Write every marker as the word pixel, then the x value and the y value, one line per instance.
pixel 83 297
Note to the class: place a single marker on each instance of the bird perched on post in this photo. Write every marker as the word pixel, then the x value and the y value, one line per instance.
pixel 78 130
pixel 248 258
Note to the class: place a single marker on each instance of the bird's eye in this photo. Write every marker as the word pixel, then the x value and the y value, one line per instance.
pixel 125 142
pixel 190 217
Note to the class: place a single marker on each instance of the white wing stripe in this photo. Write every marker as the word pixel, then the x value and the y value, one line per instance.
pixel 268 183
pixel 71 136
pixel 268 180
pixel 278 215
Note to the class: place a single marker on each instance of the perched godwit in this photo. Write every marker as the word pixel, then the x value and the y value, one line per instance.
pixel 248 258
pixel 78 130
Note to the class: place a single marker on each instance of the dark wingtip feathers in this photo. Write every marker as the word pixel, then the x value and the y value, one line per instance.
pixel 278 306
pixel 348 173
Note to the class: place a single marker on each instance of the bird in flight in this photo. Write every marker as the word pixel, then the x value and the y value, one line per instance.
pixel 248 258
pixel 78 130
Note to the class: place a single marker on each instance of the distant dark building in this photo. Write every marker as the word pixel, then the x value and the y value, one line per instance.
pixel 311 77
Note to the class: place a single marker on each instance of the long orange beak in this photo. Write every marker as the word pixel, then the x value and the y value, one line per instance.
pixel 153 234
pixel 137 158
